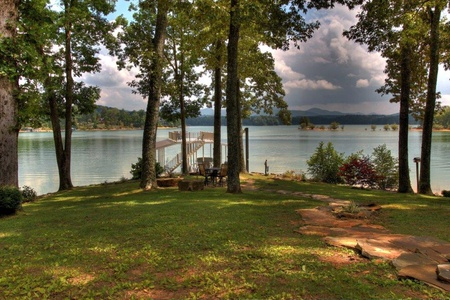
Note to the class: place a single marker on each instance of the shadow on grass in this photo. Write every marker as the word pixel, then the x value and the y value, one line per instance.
pixel 117 241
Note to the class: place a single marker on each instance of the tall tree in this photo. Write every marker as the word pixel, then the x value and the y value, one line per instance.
pixel 148 179
pixel 185 95
pixel 434 10
pixel 212 17
pixel 233 109
pixel 9 128
pixel 275 24
pixel 393 28
pixel 82 26
pixel 143 41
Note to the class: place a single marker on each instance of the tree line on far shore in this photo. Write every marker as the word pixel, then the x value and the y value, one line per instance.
pixel 104 117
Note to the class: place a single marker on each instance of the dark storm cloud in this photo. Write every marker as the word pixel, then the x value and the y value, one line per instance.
pixel 328 72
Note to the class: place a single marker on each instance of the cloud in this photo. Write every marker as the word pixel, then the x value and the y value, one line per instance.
pixel 311 85
pixel 328 72
pixel 115 91
pixel 362 83
pixel 331 71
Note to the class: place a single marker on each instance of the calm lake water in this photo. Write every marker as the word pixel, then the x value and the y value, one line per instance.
pixel 107 155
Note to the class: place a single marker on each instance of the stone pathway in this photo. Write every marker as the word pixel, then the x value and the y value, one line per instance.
pixel 343 224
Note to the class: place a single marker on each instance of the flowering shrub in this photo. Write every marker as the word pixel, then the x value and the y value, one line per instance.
pixel 359 170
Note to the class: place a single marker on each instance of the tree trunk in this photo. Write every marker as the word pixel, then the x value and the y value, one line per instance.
pixel 425 183
pixel 233 129
pixel 64 161
pixel 242 168
pixel 217 146
pixel 148 179
pixel 57 137
pixel 184 166
pixel 404 182
pixel 9 126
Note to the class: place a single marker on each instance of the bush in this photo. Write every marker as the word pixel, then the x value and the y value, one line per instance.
pixel 10 200
pixel 334 126
pixel 386 167
pixel 28 194
pixel 446 193
pixel 324 164
pixel 136 169
pixel 292 175
pixel 359 170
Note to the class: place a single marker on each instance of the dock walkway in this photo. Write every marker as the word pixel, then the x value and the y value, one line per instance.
pixel 194 142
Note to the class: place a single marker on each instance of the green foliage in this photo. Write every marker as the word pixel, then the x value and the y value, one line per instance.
pixel 443 118
pixel 324 164
pixel 10 200
pixel 107 117
pixel 305 123
pixel 28 194
pixel 136 169
pixel 446 193
pixel 334 126
pixel 386 167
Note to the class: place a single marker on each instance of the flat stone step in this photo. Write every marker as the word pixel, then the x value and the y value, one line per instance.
pixel 425 273
pixel 443 272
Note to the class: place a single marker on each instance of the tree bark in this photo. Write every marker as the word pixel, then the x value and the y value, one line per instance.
pixel 64 159
pixel 57 136
pixel 148 179
pixel 9 126
pixel 184 166
pixel 217 145
pixel 233 129
pixel 404 181
pixel 242 168
pixel 425 182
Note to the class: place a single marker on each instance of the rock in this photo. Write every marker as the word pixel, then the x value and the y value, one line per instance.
pixel 189 185
pixel 443 272
pixel 410 258
pixel 197 185
pixel 168 182
pixel 374 249
pixel 425 273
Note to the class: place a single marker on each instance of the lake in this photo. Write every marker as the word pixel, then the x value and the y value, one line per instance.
pixel 106 156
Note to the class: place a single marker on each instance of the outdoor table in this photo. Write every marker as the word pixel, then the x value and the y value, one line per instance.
pixel 213 173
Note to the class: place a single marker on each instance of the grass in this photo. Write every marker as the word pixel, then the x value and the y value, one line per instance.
pixel 114 241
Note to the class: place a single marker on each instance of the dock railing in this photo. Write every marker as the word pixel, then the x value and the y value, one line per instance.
pixel 190 136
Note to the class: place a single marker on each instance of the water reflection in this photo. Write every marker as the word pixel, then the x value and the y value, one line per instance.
pixel 107 156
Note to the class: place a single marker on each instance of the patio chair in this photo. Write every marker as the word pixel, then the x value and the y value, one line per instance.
pixel 223 174
pixel 202 172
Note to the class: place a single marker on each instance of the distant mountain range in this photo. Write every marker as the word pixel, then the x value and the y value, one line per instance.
pixel 316 116
pixel 312 112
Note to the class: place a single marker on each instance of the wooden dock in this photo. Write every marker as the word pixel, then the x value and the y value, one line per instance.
pixel 194 143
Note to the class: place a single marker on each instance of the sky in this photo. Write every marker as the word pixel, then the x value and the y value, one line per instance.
pixel 328 72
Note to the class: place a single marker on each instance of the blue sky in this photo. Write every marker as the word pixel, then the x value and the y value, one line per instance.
pixel 328 72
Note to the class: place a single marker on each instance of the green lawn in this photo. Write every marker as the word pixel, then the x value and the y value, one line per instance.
pixel 115 241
